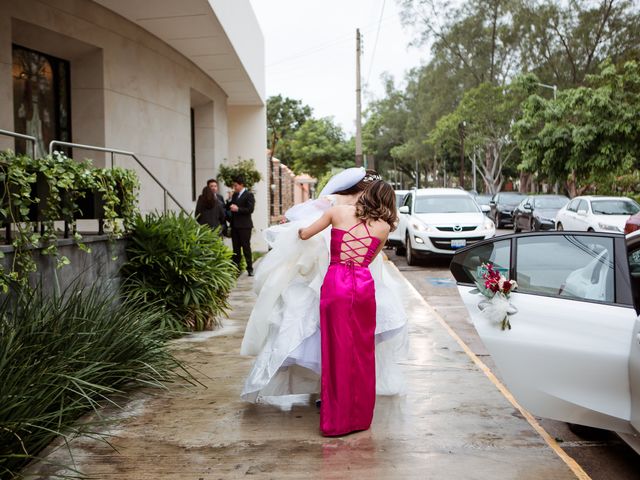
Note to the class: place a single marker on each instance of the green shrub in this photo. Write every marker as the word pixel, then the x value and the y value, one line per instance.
pixel 182 265
pixel 244 168
pixel 63 355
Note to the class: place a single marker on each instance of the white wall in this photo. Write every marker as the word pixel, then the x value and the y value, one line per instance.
pixel 247 140
pixel 146 91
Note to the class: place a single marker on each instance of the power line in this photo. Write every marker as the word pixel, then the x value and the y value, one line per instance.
pixel 323 46
pixel 375 44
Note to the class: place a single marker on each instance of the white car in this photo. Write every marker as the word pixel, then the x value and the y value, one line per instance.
pixel 596 214
pixel 395 238
pixel 440 221
pixel 573 352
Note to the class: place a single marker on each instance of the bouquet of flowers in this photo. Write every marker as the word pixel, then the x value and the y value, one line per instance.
pixel 496 287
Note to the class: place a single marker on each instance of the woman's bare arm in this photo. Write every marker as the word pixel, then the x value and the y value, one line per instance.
pixel 316 227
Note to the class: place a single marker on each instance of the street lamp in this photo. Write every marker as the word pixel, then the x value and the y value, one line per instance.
pixel 552 87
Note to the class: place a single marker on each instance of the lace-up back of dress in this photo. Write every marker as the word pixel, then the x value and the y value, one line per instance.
pixel 354 246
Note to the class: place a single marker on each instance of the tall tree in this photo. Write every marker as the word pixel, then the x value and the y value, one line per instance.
pixel 487 113
pixel 588 132
pixel 285 116
pixel 563 42
pixel 319 145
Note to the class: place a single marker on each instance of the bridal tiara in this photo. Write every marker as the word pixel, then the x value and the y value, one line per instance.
pixel 369 177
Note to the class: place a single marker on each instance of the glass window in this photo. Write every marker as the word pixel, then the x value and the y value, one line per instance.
pixel 41 99
pixel 573 205
pixel 582 206
pixel 614 207
pixel 445 204
pixel 466 266
pixel 550 202
pixel 407 200
pixel 574 266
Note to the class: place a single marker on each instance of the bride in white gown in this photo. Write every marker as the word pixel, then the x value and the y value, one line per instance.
pixel 284 326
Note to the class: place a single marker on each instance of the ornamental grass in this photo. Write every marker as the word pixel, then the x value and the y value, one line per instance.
pixel 64 355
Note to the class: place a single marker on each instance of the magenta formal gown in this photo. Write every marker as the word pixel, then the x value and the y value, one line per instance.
pixel 347 329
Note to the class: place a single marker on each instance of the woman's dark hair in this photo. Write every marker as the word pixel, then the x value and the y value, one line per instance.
pixel 209 200
pixel 362 185
pixel 378 202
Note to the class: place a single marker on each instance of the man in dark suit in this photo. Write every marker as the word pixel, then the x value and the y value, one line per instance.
pixel 241 207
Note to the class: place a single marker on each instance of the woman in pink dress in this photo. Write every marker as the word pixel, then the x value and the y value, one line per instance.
pixel 348 308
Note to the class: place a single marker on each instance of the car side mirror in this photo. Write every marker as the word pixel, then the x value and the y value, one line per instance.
pixel 485 208
pixel 527 206
pixel 404 209
pixel 582 213
pixel 492 203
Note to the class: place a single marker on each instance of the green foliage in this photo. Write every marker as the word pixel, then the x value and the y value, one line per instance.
pixel 320 145
pixel 181 265
pixel 61 182
pixel 64 355
pixel 243 168
pixel 285 116
pixel 588 132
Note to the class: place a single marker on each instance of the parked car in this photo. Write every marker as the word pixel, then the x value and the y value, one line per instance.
pixel 596 214
pixel 537 212
pixel 502 205
pixel 483 200
pixel 573 352
pixel 395 238
pixel 632 224
pixel 439 221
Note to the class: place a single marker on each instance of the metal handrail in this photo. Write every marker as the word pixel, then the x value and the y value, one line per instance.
pixel 33 140
pixel 114 152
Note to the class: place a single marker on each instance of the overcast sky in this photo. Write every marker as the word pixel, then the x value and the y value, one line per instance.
pixel 310 51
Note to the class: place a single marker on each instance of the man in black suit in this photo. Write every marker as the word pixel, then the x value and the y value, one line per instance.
pixel 241 207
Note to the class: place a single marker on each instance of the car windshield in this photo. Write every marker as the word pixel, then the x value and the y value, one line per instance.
pixel 399 198
pixel 483 199
pixel 550 202
pixel 511 199
pixel 445 204
pixel 614 207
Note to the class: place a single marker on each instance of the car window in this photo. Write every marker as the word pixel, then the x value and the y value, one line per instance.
pixel 576 266
pixel 582 205
pixel 614 207
pixel 550 202
pixel 634 271
pixel 466 266
pixel 573 204
pixel 445 204
pixel 407 200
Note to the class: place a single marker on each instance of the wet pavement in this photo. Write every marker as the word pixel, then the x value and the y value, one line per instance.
pixel 453 423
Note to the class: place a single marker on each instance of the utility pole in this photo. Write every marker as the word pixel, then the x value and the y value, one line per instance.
pixel 358 101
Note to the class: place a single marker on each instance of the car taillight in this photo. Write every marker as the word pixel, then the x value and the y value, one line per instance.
pixel 630 227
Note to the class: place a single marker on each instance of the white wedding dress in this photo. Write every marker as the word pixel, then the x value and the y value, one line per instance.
pixel 284 326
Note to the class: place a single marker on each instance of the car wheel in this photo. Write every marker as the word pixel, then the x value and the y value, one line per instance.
pixel 559 227
pixel 590 229
pixel 411 256
pixel 497 222
pixel 401 250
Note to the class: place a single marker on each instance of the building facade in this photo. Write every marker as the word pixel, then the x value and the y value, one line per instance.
pixel 179 83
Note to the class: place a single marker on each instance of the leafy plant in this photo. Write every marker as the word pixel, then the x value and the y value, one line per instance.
pixel 244 168
pixel 181 265
pixel 66 182
pixel 64 355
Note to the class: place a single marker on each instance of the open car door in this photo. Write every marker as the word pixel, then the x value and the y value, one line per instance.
pixel 567 354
